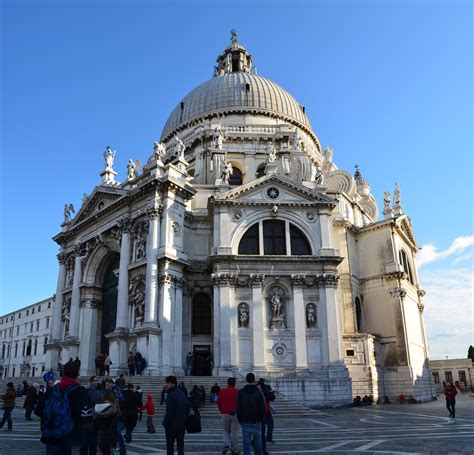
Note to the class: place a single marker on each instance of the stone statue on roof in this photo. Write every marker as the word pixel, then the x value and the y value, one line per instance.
pixel 233 36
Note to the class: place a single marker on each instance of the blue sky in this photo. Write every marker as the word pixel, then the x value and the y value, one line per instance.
pixel 388 85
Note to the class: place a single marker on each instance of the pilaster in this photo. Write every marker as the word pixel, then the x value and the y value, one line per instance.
pixel 258 321
pixel 301 353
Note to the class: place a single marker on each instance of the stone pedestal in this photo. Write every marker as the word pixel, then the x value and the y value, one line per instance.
pixel 118 351
pixel 148 343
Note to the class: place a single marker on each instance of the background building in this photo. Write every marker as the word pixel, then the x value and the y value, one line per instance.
pixel 24 335
pixel 457 371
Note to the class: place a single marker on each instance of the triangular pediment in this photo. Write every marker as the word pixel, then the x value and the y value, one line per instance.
pixel 100 199
pixel 405 228
pixel 275 189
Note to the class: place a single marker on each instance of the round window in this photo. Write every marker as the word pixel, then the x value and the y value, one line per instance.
pixel 273 192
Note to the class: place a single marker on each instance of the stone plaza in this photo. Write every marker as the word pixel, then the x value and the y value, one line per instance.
pixel 386 429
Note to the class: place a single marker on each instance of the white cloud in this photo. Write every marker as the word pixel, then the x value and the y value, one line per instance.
pixel 449 307
pixel 429 253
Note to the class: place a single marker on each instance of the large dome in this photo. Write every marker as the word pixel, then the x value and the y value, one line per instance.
pixel 236 92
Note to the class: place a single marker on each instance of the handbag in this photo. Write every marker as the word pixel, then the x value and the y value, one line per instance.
pixel 193 424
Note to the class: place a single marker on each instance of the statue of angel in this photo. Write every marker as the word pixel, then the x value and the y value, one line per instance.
pixel 226 172
pixel 159 150
pixel 298 141
pixel 318 178
pixel 386 200
pixel 270 154
pixel 68 209
pixel 218 137
pixel 396 196
pixel 109 157
pixel 180 147
pixel 133 168
pixel 328 153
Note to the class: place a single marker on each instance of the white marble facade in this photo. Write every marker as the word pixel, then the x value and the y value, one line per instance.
pixel 242 238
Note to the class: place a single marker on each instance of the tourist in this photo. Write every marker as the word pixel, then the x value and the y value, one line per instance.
pixel 107 363
pixel 89 444
pixel 99 364
pixel 131 364
pixel 215 389
pixel 269 395
pixel 60 370
pixel 8 404
pixel 57 434
pixel 120 382
pixel 78 362
pixel 25 387
pixel 250 414
pixel 139 393
pixel 227 404
pixel 138 363
pixel 195 400
pixel 130 406
pixel 202 390
pixel 199 365
pixel 450 392
pixel 189 364
pixel 177 410
pixel 118 393
pixel 30 401
pixel 164 393
pixel 150 412
pixel 183 388
pixel 106 422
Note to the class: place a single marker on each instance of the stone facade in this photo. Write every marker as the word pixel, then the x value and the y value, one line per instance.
pixel 24 336
pixel 241 239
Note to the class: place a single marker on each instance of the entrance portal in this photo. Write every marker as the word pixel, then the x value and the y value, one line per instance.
pixel 202 360
pixel 109 302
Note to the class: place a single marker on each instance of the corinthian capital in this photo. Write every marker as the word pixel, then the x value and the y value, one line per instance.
pixel 124 224
pixel 154 211
pixel 221 279
pixel 398 293
pixel 256 279
pixel 61 258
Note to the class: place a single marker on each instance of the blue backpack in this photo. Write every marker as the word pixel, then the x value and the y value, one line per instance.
pixel 57 421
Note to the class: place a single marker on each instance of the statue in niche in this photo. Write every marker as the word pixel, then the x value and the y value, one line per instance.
pixel 109 157
pixel 180 148
pixel 396 196
pixel 68 209
pixel 140 249
pixel 319 178
pixel 310 316
pixel 386 200
pixel 218 137
pixel 270 154
pixel 226 172
pixel 278 311
pixel 69 273
pixel 244 315
pixel 139 304
pixel 65 316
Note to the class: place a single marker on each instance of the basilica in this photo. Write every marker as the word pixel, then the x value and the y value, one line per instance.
pixel 239 239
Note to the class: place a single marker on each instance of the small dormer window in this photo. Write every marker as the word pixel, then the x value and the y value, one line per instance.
pixel 247 87
pixel 235 62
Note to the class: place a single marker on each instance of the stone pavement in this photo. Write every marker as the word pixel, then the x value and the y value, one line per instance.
pixel 388 429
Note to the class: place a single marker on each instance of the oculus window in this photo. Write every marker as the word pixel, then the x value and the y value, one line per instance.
pixel 274 237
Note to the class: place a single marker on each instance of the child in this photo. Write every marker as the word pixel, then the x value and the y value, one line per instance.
pixel 150 410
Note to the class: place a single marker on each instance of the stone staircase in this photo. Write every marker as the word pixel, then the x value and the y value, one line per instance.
pixel 284 408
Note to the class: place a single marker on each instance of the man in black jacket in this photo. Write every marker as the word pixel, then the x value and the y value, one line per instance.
pixel 131 405
pixel 177 410
pixel 251 411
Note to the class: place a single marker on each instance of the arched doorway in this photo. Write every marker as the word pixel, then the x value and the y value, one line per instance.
pixel 109 302
pixel 201 331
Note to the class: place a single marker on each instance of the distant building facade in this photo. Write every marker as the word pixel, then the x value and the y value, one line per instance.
pixel 458 371
pixel 241 241
pixel 24 336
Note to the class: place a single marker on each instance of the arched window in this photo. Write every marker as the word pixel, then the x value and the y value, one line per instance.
pixel 274 235
pixel 236 176
pixel 249 243
pixel 358 309
pixel 260 171
pixel 201 322
pixel 28 348
pixel 406 265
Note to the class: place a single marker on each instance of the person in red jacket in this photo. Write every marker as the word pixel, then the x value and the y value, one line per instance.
pixel 150 411
pixel 451 392
pixel 227 404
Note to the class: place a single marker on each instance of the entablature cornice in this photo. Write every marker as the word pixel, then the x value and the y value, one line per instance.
pixel 236 259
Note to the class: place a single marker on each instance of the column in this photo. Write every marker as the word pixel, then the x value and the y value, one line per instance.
pixel 76 295
pixel 151 293
pixel 301 350
pixel 257 321
pixel 326 239
pixel 90 329
pixel 331 339
pixel 166 305
pixel 56 323
pixel 216 327
pixel 178 327
pixel 122 297
pixel 224 326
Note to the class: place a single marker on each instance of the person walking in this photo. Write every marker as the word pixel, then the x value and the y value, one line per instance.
pixel 106 420
pixel 131 406
pixel 195 399
pixel 107 363
pixel 177 410
pixel 139 393
pixel 30 401
pixel 138 363
pixel 150 411
pixel 8 404
pixel 131 364
pixel 89 443
pixel 450 392
pixel 227 404
pixel 269 396
pixel 120 382
pixel 189 364
pixel 215 389
pixel 250 414
pixel 61 427
pixel 118 393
